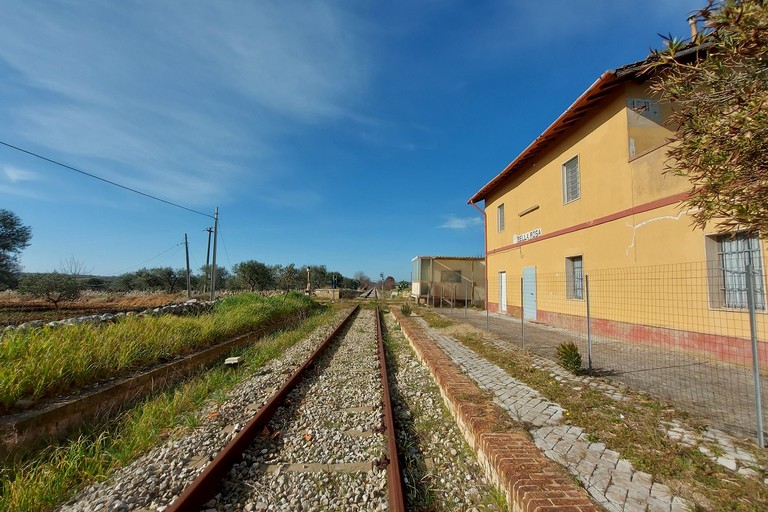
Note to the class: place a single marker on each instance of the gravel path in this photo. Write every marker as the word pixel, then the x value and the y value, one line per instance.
pixel 440 470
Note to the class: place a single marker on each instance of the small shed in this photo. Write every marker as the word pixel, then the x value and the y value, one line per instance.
pixel 448 280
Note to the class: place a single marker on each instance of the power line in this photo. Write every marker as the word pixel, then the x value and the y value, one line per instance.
pixel 221 234
pixel 152 258
pixel 102 179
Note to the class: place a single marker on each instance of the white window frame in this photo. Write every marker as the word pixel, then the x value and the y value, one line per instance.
pixel 567 173
pixel 500 218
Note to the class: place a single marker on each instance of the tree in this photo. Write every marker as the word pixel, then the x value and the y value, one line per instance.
pixel 171 280
pixel 14 237
pixel 319 276
pixel 403 285
pixel 363 280
pixel 389 283
pixel 222 274
pixel 54 287
pixel 719 94
pixel 289 277
pixel 255 275
pixel 73 267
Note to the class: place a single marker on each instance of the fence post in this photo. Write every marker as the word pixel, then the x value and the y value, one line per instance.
pixel 589 323
pixel 755 356
pixel 466 302
pixel 522 316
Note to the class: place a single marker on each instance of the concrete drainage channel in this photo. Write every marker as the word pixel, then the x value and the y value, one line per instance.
pixel 22 431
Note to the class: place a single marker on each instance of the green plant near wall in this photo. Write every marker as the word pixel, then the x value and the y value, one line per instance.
pixel 569 357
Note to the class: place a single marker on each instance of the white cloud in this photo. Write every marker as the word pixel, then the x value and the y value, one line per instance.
pixel 453 222
pixel 16 175
pixel 177 99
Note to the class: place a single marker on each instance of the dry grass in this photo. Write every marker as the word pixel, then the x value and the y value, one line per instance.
pixel 16 309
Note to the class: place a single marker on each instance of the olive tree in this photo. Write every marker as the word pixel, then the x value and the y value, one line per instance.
pixel 255 275
pixel 54 287
pixel 718 88
pixel 14 237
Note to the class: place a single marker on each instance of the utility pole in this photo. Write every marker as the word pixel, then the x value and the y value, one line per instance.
pixel 213 266
pixel 207 259
pixel 189 282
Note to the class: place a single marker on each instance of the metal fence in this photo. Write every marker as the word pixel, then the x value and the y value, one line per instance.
pixel 684 333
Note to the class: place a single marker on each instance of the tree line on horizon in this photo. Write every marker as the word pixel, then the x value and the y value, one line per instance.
pixel 248 275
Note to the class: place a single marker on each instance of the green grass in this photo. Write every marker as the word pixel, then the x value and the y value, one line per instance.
pixel 43 480
pixel 36 363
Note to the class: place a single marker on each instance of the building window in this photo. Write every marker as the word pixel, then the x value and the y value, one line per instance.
pixel 729 256
pixel 571 187
pixel 500 218
pixel 574 278
pixel 450 276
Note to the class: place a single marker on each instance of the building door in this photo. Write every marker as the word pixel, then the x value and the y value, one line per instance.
pixel 529 293
pixel 502 292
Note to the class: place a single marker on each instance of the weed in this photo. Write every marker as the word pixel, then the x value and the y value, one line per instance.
pixel 405 309
pixel 569 357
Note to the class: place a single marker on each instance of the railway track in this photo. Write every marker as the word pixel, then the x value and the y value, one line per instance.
pixel 324 441
pixel 327 446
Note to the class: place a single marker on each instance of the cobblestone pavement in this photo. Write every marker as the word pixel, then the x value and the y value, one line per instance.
pixel 610 480
pixel 722 394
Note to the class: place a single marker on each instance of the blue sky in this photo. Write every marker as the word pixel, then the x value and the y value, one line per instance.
pixel 349 133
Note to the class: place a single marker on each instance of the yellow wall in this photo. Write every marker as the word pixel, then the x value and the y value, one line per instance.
pixel 614 231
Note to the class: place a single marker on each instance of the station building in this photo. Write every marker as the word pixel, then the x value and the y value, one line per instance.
pixel 590 197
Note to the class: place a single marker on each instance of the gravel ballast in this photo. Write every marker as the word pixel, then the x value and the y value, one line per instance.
pixel 322 451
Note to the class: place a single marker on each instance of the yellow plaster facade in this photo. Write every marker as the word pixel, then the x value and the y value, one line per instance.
pixel 620 222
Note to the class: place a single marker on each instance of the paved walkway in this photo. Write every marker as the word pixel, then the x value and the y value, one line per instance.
pixel 610 480
pixel 722 394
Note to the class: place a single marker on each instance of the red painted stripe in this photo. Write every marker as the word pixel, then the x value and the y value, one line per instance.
pixel 666 201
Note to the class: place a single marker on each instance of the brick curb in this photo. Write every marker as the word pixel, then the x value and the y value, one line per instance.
pixel 530 481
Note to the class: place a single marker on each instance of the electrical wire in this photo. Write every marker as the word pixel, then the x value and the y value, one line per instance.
pixel 150 259
pixel 221 234
pixel 103 179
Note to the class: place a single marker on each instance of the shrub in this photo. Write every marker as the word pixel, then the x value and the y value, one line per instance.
pixel 405 309
pixel 569 357
pixel 53 287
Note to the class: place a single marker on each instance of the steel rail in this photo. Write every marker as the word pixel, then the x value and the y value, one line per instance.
pixel 204 487
pixel 396 496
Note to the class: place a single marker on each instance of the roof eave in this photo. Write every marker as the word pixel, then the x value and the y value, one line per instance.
pixel 571 114
pixel 583 103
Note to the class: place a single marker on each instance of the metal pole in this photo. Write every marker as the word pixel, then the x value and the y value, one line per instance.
pixel 466 302
pixel 189 281
pixel 213 266
pixel 522 315
pixel 207 259
pixel 755 356
pixel 589 322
